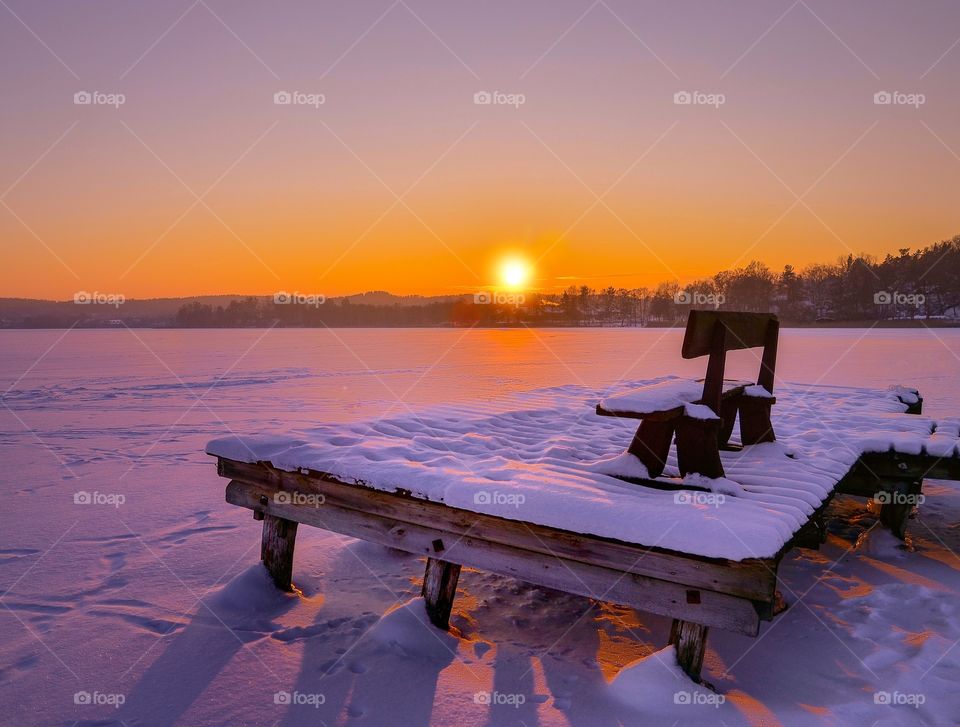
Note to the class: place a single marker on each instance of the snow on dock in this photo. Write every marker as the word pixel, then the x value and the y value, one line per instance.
pixel 545 457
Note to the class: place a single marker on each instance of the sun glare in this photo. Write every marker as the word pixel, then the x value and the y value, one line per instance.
pixel 514 272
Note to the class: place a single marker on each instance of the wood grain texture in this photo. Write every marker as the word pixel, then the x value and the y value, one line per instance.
pixel 690 640
pixel 754 579
pixel 439 588
pixel 625 587
pixel 276 548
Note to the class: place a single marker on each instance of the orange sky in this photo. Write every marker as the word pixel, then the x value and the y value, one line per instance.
pixel 797 165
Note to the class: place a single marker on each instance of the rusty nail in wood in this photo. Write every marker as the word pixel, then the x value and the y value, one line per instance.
pixel 437 545
pixel 693 597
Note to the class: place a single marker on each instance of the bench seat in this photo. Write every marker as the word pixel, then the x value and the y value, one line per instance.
pixel 663 401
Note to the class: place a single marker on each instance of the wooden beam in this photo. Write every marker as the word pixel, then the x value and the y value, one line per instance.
pixel 873 469
pixel 745 330
pixel 439 588
pixel 729 406
pixel 768 364
pixel 651 445
pixel 553 571
pixel 690 640
pixel 713 381
pixel 896 506
pixel 698 446
pixel 754 579
pixel 755 425
pixel 276 548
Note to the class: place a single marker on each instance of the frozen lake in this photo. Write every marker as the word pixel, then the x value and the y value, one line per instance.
pixel 155 600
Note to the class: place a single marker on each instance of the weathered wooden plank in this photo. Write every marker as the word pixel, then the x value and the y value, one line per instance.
pixel 439 588
pixel 755 425
pixel 728 418
pixel 881 466
pixel 713 381
pixel 754 579
pixel 698 446
pixel 745 330
pixel 624 587
pixel 690 640
pixel 276 547
pixel 651 445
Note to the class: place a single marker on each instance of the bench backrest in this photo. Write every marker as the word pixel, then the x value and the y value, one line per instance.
pixel 713 333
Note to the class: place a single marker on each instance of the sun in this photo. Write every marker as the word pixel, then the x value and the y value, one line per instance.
pixel 514 272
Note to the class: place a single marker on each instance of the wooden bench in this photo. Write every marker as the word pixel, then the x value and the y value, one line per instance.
pixel 702 419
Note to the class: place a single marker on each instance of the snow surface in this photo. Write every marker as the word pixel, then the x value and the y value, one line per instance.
pixel 162 599
pixel 663 395
pixel 699 411
pixel 759 392
pixel 547 458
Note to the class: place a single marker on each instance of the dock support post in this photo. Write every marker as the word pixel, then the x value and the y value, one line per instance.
pixel 897 505
pixel 276 549
pixel 690 640
pixel 439 588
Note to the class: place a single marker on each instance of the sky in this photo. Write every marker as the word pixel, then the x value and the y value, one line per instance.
pixel 186 174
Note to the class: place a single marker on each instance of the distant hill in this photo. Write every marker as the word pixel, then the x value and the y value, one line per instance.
pixel 102 310
pixel 382 297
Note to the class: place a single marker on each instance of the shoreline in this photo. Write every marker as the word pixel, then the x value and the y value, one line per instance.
pixel 861 324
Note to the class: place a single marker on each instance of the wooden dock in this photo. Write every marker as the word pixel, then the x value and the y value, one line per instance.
pixel 695 591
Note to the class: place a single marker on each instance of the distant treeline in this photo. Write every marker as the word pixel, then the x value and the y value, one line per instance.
pixel 919 285
pixel 909 287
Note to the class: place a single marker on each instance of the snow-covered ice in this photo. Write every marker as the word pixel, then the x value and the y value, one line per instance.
pixel 160 600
